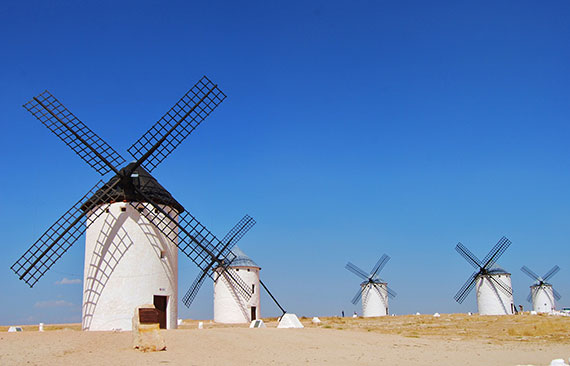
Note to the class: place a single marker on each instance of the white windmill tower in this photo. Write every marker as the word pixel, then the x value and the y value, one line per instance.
pixel 374 291
pixel 229 305
pixel 493 284
pixel 125 250
pixel 133 224
pixel 542 294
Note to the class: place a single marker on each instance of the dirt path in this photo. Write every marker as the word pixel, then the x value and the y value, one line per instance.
pixel 335 342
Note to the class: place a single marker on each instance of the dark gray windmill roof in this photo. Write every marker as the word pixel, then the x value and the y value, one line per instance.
pixel 496 269
pixel 241 259
pixel 145 182
pixel 376 280
pixel 538 284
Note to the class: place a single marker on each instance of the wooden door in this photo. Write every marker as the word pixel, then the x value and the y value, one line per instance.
pixel 160 305
pixel 253 313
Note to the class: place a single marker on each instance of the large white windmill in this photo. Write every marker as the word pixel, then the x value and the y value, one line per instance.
pixel 373 290
pixel 492 283
pixel 542 294
pixel 129 261
pixel 133 225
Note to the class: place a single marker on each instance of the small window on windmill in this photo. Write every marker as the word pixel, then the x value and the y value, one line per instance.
pixel 136 179
pixel 123 209
pixel 162 254
pixel 237 269
pixel 248 269
pixel 252 288
pixel 107 210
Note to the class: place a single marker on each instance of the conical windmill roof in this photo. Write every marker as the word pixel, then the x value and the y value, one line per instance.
pixel 376 280
pixel 241 259
pixel 496 269
pixel 145 182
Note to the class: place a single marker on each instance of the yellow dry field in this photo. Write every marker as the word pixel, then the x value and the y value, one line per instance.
pixel 517 328
pixel 452 339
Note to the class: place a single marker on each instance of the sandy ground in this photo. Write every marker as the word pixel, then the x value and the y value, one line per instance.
pixel 402 340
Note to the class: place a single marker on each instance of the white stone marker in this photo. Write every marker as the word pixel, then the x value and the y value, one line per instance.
pixel 290 321
pixel 258 323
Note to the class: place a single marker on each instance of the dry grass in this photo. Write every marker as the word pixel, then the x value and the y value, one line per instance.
pixel 525 327
pixel 47 327
pixel 495 329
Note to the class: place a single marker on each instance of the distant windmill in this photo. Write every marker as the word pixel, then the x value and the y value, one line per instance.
pixel 374 291
pixel 542 294
pixel 494 290
pixel 230 304
pixel 134 227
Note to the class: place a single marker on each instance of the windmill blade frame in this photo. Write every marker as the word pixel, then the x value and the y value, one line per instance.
pixel 495 253
pixel 556 294
pixel 530 273
pixel 391 292
pixel 58 119
pixel 239 230
pixel 177 124
pixel 468 255
pixel 554 270
pixel 190 236
pixel 229 241
pixel 379 265
pixel 358 295
pixel 357 271
pixel 60 236
pixel 194 289
pixel 466 288
pixel 202 252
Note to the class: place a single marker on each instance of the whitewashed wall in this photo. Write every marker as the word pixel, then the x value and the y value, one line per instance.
pixel 127 262
pixel 542 298
pixel 374 300
pixel 491 300
pixel 229 305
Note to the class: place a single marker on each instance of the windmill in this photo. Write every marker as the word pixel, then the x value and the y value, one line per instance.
pixel 374 291
pixel 230 304
pixel 494 290
pixel 542 294
pixel 134 227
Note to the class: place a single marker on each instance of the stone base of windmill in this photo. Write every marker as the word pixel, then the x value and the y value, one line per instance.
pixel 146 330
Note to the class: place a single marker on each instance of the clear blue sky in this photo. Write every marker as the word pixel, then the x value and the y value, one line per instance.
pixel 351 129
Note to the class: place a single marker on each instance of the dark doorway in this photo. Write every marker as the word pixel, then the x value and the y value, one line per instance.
pixel 160 305
pixel 253 313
